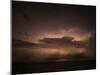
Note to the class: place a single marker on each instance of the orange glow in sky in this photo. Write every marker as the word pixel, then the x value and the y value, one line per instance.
pixel 75 33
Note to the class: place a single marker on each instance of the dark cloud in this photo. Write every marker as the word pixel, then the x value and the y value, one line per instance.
pixel 22 43
pixel 57 40
pixel 64 41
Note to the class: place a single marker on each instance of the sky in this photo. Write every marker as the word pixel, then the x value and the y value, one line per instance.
pixel 56 31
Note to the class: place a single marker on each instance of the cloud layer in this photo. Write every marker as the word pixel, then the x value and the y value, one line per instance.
pixel 49 49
